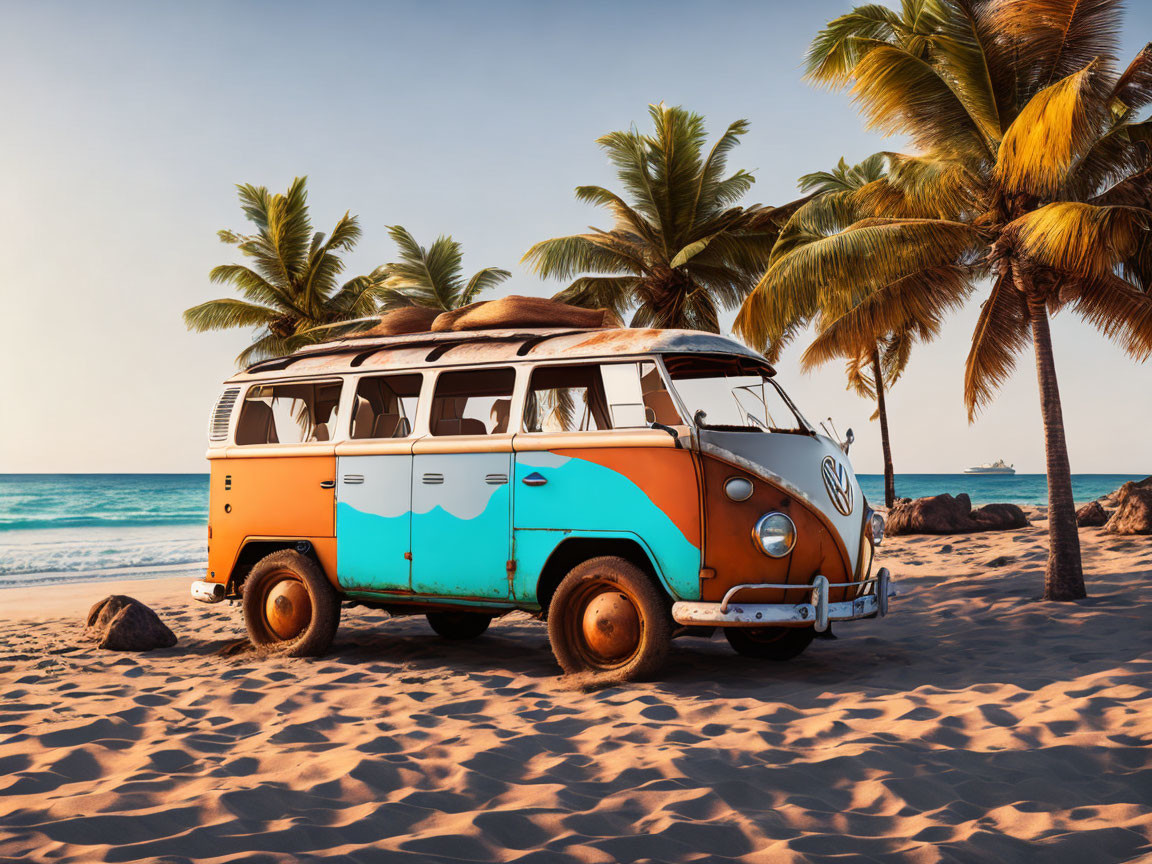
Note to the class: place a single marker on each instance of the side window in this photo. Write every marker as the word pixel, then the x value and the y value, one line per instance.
pixel 385 406
pixel 476 402
pixel 565 399
pixel 596 397
pixel 293 413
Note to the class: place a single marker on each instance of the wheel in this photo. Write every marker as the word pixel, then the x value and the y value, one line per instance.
pixel 770 643
pixel 290 606
pixel 459 625
pixel 607 616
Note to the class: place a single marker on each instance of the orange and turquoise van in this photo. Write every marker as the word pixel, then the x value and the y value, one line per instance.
pixel 627 486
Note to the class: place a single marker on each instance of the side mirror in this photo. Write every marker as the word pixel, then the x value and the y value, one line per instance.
pixel 849 437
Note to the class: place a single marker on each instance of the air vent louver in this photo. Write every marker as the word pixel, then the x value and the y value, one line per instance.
pixel 222 413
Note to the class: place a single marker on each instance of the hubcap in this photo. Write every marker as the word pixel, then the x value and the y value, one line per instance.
pixel 287 608
pixel 611 625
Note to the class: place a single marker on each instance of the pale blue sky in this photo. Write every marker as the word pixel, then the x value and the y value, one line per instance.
pixel 123 127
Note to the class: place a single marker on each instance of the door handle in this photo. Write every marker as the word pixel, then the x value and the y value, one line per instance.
pixel 534 479
pixel 327 484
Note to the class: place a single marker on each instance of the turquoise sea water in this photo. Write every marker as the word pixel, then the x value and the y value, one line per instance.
pixel 79 526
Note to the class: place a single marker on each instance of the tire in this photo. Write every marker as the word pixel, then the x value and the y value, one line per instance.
pixel 459 625
pixel 770 643
pixel 622 609
pixel 290 607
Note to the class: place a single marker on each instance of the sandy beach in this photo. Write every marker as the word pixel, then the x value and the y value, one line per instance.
pixel 974 724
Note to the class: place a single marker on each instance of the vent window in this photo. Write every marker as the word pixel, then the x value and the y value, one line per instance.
pixel 222 413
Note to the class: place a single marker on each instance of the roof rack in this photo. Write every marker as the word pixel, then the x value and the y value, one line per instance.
pixel 440 343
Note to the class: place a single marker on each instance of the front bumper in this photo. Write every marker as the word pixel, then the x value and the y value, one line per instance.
pixel 817 611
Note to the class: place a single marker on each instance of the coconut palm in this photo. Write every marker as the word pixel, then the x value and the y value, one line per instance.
pixel 874 361
pixel 1033 175
pixel 679 249
pixel 291 286
pixel 433 277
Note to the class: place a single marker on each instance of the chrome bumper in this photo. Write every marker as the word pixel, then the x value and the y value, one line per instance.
pixel 817 611
pixel 207 592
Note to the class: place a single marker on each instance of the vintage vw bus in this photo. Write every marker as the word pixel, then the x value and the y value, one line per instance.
pixel 625 485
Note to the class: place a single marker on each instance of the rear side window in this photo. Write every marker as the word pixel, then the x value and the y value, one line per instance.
pixel 385 406
pixel 476 402
pixel 294 413
pixel 566 399
pixel 597 397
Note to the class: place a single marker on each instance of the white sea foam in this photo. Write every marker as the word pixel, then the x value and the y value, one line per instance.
pixel 57 554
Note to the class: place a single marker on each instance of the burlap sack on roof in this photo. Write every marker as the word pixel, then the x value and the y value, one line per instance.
pixel 516 311
pixel 407 319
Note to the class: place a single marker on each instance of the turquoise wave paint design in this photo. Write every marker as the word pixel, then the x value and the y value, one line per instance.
pixel 582 498
pixel 457 557
pixel 370 549
pixel 463 554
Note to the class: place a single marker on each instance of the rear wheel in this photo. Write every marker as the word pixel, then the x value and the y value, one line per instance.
pixel 459 625
pixel 290 606
pixel 770 643
pixel 607 616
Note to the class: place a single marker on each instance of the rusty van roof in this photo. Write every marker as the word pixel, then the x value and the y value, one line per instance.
pixel 417 351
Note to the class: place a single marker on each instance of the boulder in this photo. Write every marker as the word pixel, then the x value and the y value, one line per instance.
pixel 1091 515
pixel 1112 499
pixel 1133 511
pixel 408 319
pixel 944 514
pixel 516 311
pixel 121 623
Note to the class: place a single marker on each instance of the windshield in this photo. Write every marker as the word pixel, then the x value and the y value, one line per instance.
pixel 735 393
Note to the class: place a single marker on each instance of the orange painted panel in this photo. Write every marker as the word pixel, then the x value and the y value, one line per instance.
pixel 270 497
pixel 732 553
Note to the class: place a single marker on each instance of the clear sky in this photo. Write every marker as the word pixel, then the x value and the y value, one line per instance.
pixel 124 125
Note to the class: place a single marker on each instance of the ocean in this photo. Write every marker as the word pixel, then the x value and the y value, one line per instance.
pixel 68 527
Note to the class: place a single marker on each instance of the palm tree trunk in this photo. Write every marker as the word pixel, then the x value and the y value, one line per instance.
pixel 886 444
pixel 1064 578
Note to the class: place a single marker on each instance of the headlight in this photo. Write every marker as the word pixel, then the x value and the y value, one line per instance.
pixel 876 527
pixel 775 534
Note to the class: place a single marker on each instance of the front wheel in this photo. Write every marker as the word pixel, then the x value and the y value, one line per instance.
pixel 459 625
pixel 607 616
pixel 770 643
pixel 290 606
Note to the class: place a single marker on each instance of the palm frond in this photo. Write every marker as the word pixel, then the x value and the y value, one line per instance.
pixel 916 303
pixel 1118 309
pixel 226 313
pixel 1057 37
pixel 564 257
pixel 834 53
pixel 481 281
pixel 1080 238
pixel 1002 332
pixel 1056 126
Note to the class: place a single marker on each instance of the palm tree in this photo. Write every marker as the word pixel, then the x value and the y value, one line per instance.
pixel 291 287
pixel 1034 173
pixel 679 248
pixel 771 318
pixel 433 278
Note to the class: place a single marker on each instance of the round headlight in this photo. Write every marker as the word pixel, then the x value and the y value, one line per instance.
pixel 775 534
pixel 877 527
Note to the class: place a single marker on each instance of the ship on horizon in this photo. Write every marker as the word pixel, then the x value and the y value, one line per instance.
pixel 997 467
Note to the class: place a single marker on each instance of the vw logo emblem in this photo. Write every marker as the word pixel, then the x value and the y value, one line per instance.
pixel 837 483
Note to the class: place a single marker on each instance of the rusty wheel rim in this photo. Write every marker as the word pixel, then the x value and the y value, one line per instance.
pixel 605 625
pixel 287 606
